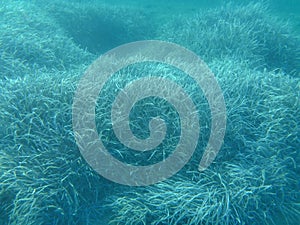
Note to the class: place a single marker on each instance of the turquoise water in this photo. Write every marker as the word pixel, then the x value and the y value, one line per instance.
pixel 252 48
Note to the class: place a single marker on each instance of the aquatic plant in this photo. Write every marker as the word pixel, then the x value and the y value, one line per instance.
pixel 43 178
pixel 254 177
pixel 30 39
pixel 42 174
pixel 249 32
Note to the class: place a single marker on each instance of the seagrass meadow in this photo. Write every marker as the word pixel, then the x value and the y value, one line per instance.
pixel 253 49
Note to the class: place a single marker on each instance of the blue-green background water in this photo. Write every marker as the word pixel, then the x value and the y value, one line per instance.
pixel 253 49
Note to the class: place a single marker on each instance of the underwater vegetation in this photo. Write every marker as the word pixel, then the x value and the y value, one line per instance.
pixel 247 32
pixel 46 47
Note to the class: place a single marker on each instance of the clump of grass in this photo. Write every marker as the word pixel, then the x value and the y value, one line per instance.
pixel 250 32
pixel 228 194
pixel 45 180
pixel 254 177
pixel 42 174
pixel 40 161
pixel 30 39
